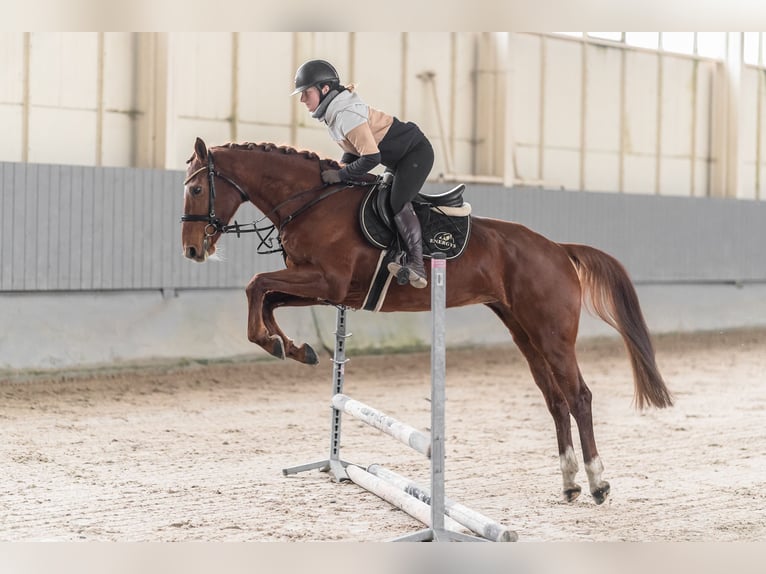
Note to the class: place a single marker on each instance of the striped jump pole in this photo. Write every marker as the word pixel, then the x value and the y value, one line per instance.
pixel 404 433
pixel 472 520
pixel 417 508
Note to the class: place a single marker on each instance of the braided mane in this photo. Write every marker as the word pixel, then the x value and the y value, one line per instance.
pixel 283 149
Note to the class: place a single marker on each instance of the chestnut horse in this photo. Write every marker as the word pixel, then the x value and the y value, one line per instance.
pixel 535 286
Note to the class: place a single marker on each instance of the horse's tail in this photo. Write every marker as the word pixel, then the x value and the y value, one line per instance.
pixel 609 293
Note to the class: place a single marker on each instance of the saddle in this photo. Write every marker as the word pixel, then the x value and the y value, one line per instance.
pixel 445 220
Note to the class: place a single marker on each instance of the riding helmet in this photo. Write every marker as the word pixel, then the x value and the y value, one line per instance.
pixel 314 72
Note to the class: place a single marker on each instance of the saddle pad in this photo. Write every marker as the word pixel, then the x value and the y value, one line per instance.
pixel 441 233
pixel 381 280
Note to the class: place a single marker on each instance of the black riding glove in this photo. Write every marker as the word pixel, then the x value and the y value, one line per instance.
pixel 331 176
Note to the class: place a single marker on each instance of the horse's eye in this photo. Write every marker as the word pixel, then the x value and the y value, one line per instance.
pixel 196 190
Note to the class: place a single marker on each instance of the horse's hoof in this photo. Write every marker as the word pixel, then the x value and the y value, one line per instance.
pixel 278 349
pixel 571 494
pixel 309 355
pixel 601 493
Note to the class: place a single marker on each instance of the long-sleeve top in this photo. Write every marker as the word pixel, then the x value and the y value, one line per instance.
pixel 367 136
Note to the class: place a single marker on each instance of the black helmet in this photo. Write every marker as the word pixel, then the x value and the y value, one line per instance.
pixel 314 72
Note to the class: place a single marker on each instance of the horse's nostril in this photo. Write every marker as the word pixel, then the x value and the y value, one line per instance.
pixel 191 252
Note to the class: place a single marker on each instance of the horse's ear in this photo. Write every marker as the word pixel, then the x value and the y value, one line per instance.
pixel 200 149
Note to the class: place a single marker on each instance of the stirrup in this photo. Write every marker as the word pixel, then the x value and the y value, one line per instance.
pixel 406 275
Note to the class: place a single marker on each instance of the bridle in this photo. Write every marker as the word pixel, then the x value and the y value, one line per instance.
pixel 215 225
pixel 264 232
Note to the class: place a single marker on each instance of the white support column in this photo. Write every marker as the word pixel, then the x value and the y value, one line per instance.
pixel 234 116
pixel 99 155
pixel 152 100
pixel 25 105
pixel 509 141
pixel 726 135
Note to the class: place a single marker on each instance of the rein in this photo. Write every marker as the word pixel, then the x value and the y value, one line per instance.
pixel 265 232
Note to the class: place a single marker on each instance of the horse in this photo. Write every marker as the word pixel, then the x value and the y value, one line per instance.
pixel 535 286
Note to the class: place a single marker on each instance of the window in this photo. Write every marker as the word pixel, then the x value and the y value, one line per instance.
pixel 704 44
pixel 711 44
pixel 614 36
pixel 679 42
pixel 643 39
pixel 752 47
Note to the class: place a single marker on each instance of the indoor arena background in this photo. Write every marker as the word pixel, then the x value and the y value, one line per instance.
pixel 117 427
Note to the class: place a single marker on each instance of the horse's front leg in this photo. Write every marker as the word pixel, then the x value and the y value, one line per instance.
pixel 298 285
pixel 303 354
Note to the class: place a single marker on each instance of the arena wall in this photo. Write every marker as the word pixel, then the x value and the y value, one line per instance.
pixel 92 270
pixel 669 148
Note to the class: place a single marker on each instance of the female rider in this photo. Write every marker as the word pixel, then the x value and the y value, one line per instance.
pixel 370 137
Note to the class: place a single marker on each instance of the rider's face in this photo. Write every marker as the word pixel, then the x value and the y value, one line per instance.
pixel 310 97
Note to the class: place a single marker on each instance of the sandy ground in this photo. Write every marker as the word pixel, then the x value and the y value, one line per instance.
pixel 195 451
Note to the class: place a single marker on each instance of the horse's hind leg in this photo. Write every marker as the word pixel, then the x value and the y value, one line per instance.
pixel 599 488
pixel 554 399
pixel 559 353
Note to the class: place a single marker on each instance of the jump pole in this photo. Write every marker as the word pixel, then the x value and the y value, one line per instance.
pixel 397 497
pixel 402 432
pixel 469 518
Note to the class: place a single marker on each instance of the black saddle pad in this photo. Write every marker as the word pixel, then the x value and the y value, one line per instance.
pixel 441 233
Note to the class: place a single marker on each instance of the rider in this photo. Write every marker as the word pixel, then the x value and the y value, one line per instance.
pixel 370 137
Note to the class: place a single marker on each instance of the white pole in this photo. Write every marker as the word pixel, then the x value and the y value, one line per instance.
pixel 474 521
pixel 402 432
pixel 396 497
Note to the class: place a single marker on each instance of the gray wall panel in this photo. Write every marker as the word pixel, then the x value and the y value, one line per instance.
pixel 41 216
pixel 28 227
pixel 77 193
pixel 66 223
pixel 81 228
pixel 55 225
pixel 99 196
pixel 168 248
pixel 18 257
pixel 658 239
pixel 6 231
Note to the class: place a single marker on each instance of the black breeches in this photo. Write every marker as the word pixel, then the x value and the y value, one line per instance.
pixel 411 173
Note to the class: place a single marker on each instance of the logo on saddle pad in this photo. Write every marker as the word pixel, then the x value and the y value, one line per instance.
pixel 443 241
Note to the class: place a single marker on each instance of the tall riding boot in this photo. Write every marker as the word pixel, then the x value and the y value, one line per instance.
pixel 409 228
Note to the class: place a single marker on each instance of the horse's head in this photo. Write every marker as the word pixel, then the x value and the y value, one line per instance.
pixel 210 200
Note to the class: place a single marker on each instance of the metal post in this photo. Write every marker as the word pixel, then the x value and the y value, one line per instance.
pixel 437 532
pixel 338 372
pixel 438 397
pixel 334 464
